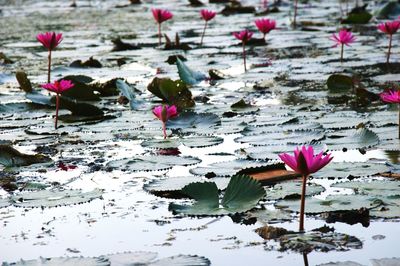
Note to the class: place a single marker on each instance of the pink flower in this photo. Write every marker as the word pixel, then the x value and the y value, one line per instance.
pixel 244 35
pixel 58 86
pixel 161 15
pixel 50 40
pixel 343 38
pixel 304 162
pixel 390 96
pixel 390 27
pixel 164 113
pixel 207 15
pixel 265 25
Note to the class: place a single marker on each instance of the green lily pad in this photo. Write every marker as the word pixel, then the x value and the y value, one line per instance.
pixel 11 157
pixel 192 120
pixel 66 261
pixel 171 187
pixel 173 92
pixel 338 83
pixel 230 168
pixel 373 188
pixel 151 163
pixel 354 169
pixel 331 203
pixel 53 198
pixel 187 75
pixel 150 259
pixel 192 142
pixel 242 194
pixel 352 139
pixel 292 190
pixel 128 92
pixel 362 17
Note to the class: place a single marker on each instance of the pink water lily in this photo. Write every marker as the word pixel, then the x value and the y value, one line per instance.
pixel 207 15
pixel 244 36
pixel 164 113
pixel 161 15
pixel 58 87
pixel 392 96
pixel 304 162
pixel 265 25
pixel 389 28
pixel 49 40
pixel 343 38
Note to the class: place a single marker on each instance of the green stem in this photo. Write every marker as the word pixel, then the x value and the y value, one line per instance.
pixel 295 13
pixel 159 34
pixel 389 49
pixel 57 107
pixel 49 67
pixel 302 203
pixel 204 32
pixel 399 121
pixel 341 53
pixel 164 130
pixel 244 56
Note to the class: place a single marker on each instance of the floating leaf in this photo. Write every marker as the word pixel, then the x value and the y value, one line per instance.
pixel 292 190
pixel 173 92
pixel 242 194
pixel 192 120
pixel 192 142
pixel 373 188
pixel 331 203
pixel 171 187
pixel 152 163
pixel 187 75
pixel 53 198
pixel 81 89
pixel 11 157
pixel 61 262
pixel 354 169
pixel 149 259
pixel 361 17
pixel 338 83
pixel 347 140
pixel 128 92
pixel 389 9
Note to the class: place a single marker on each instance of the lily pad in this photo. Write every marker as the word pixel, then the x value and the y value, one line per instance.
pixel 152 163
pixel 350 139
pixel 192 142
pixel 338 83
pixel 331 203
pixel 374 188
pixel 354 169
pixel 53 198
pixel 242 194
pixel 292 190
pixel 61 262
pixel 187 75
pixel 128 92
pixel 11 157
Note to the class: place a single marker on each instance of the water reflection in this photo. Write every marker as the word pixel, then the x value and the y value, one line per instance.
pixel 393 156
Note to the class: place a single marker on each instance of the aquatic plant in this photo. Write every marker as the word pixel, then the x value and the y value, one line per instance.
pixel 344 37
pixel 58 87
pixel 207 15
pixel 295 13
pixel 392 96
pixel 161 15
pixel 244 36
pixel 49 40
pixel 305 163
pixel 265 25
pixel 164 113
pixel 390 28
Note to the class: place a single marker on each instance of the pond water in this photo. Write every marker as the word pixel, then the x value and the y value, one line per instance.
pixel 116 161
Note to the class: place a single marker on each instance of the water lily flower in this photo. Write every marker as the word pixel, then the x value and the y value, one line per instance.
pixel 244 36
pixel 207 15
pixel 265 25
pixel 304 162
pixel 58 87
pixel 390 28
pixel 392 96
pixel 343 38
pixel 161 15
pixel 164 113
pixel 49 40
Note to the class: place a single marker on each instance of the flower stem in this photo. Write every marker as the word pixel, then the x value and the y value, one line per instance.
pixel 399 121
pixel 264 36
pixel 389 49
pixel 164 127
pixel 295 13
pixel 159 34
pixel 49 67
pixel 204 32
pixel 244 56
pixel 305 259
pixel 341 53
pixel 57 107
pixel 302 203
